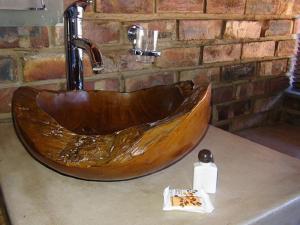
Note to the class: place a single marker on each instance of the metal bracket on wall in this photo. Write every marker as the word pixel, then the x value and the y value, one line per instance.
pixel 43 6
pixel 35 5
pixel 19 13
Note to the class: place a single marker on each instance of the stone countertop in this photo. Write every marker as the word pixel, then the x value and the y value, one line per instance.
pixel 256 185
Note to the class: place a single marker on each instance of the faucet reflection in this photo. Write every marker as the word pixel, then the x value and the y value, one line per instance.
pixel 75 45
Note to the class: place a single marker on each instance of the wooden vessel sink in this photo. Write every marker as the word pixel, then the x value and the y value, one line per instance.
pixel 104 135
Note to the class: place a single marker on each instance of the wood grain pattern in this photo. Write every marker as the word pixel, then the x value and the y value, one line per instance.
pixel 104 135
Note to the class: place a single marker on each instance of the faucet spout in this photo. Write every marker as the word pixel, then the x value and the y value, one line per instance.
pixel 92 51
pixel 75 44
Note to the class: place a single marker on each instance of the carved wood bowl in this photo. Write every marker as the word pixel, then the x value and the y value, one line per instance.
pixel 105 135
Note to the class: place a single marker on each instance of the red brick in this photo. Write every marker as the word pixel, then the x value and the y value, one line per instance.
pixel 258 49
pixel 266 104
pixel 180 5
pixel 286 48
pixel 5 99
pixel 89 85
pixel 8 69
pixel 201 76
pixel 278 27
pixel 44 67
pixel 296 9
pixel 222 125
pixel 179 57
pixel 87 67
pixel 248 121
pixel 101 33
pixel 242 29
pixel 224 112
pixel 221 53
pixel 111 84
pixel 226 6
pixel 247 90
pixel 273 68
pixel 110 61
pixel 269 7
pixel 9 37
pixel 15 37
pixel 166 28
pixel 127 61
pixel 125 6
pixel 199 29
pixel 67 3
pixel 297 26
pixel 146 81
pixel 24 37
pixel 58 35
pixel 291 63
pixel 39 37
pixel 223 94
pixel 241 108
pixel 244 91
pixel 239 72
pixel 259 87
pixel 279 84
pixel 291 103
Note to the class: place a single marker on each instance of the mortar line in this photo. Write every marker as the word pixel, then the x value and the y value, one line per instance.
pixel 245 7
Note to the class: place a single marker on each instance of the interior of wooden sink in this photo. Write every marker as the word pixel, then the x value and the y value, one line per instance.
pixel 100 112
pixel 105 135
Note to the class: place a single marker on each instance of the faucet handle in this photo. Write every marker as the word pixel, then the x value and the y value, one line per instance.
pixel 83 3
pixel 72 10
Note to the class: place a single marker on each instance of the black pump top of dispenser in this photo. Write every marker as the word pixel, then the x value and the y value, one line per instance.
pixel 205 156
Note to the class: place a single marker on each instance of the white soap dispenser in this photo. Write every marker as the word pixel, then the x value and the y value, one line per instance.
pixel 205 172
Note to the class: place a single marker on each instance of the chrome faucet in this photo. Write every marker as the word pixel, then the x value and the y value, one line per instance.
pixel 75 45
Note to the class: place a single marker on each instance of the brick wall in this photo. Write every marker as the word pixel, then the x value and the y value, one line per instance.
pixel 242 47
pixel 291 108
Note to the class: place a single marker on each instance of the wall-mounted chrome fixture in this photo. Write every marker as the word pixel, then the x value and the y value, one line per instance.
pixel 23 5
pixel 144 43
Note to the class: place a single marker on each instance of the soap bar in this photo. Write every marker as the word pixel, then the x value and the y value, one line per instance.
pixel 187 200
